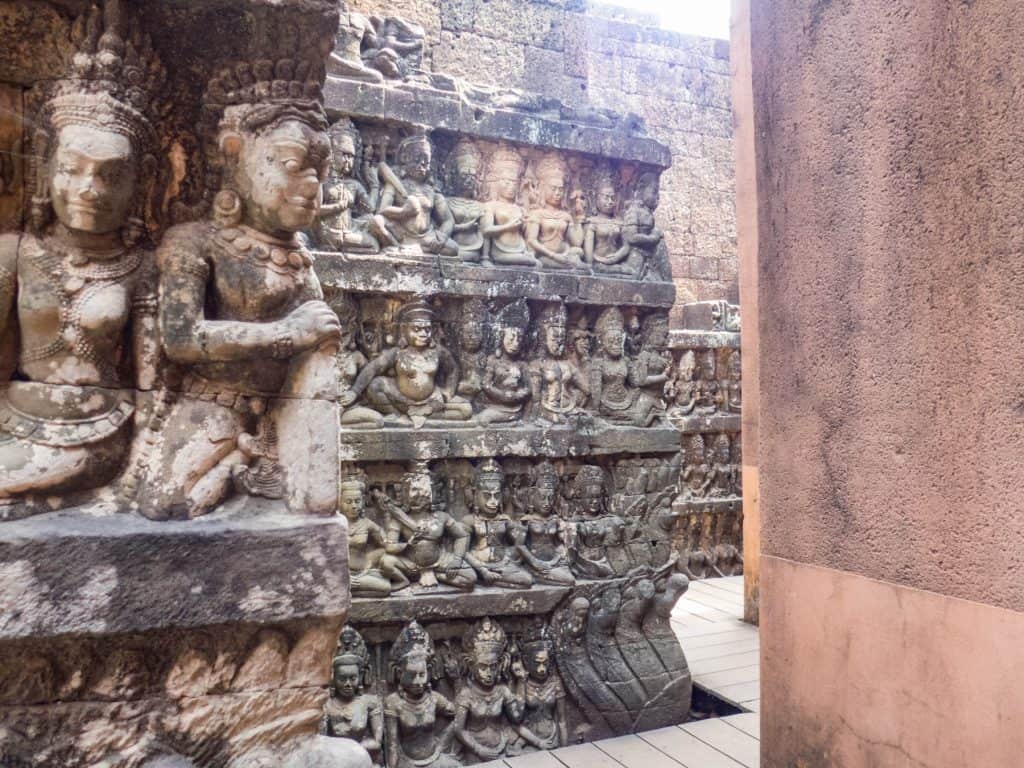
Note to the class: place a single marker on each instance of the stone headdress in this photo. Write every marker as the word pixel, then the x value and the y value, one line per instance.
pixel 504 157
pixel 537 637
pixel 588 476
pixel 412 642
pixel 549 165
pixel 353 478
pixel 486 636
pixel 114 85
pixel 610 319
pixel 545 475
pixel 352 650
pixel 553 314
pixel 488 469
pixel 464 153
pixel 408 144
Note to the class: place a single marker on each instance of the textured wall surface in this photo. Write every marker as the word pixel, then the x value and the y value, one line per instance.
pixel 677 83
pixel 891 222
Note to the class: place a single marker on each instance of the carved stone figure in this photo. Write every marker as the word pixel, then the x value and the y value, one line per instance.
pixel 506 384
pixel 486 704
pixel 414 382
pixel 465 170
pixel 354 32
pixel 349 361
pixel 735 383
pixel 559 388
pixel 708 394
pixel 696 474
pixel 596 537
pixel 494 555
pixel 646 241
pixel 502 222
pixel 721 467
pixel 576 234
pixel 652 363
pixel 427 543
pixel 414 737
pixel 682 388
pixel 545 724
pixel 351 712
pixel 240 303
pixel 547 224
pixel 544 551
pixel 77 297
pixel 737 465
pixel 372 48
pixel 605 246
pixel 411 210
pixel 615 388
pixel 372 570
pixel 472 327
pixel 347 208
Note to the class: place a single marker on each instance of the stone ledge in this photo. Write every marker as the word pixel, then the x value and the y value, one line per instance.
pixel 406 444
pixel 716 422
pixel 87 571
pixel 686 339
pixel 716 505
pixel 406 274
pixel 427 107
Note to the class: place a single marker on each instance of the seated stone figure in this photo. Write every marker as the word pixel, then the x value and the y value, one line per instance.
pixel 605 246
pixel 544 550
pixel 616 389
pixel 412 211
pixel 415 381
pixel 373 572
pixel 345 213
pixel 78 295
pixel 427 543
pixel 502 223
pixel 547 224
pixel 242 312
pixel 494 555
pixel 559 388
pixel 506 385
pixel 352 712
pixel 646 241
pixel 465 166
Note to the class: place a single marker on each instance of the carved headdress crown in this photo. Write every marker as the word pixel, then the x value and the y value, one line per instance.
pixel 114 79
pixel 609 320
pixel 418 309
pixel 351 648
pixel 485 636
pixel 550 165
pixel 353 479
pixel 412 641
pixel 537 637
pixel 514 315
pixel 505 156
pixel 588 476
pixel 553 314
pixel 545 475
pixel 487 470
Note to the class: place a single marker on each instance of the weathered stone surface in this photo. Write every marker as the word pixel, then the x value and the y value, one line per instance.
pixel 483 601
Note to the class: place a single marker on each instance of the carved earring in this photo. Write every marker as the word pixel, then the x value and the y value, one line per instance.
pixel 133 231
pixel 227 208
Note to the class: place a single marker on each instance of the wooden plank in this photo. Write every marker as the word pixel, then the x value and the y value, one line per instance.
pixel 585 756
pixel 716 680
pixel 492 764
pixel 697 609
pixel 739 692
pixel 634 752
pixel 719 636
pixel 748 722
pixel 732 584
pixel 725 649
pixel 542 759
pixel 687 749
pixel 717 627
pixel 754 705
pixel 733 605
pixel 723 663
pixel 738 745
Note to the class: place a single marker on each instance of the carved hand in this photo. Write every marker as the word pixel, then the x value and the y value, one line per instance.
pixel 312 323
pixel 347 398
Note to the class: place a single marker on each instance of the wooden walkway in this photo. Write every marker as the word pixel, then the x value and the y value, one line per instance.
pixel 723 656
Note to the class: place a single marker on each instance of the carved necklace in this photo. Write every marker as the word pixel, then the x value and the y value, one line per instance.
pixel 285 257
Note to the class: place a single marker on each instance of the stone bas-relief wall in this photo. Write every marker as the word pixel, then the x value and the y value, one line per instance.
pixel 677 84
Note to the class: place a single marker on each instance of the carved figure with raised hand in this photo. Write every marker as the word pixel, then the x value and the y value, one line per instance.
pixel 414 382
pixel 646 241
pixel 396 48
pixel 615 387
pixel 559 388
pixel 545 724
pixel 347 208
pixel 721 467
pixel 708 393
pixel 414 736
pixel 472 332
pixel 605 246
pixel 411 210
pixel 464 172
pixel 241 309
pixel 494 554
pixel 653 363
pixel 506 383
pixel 502 222
pixel 351 712
pixel 544 551
pixel 547 225
pixel 78 296
pixel 735 383
pixel 596 544
pixel 373 572
pixel 696 474
pixel 350 360
pixel 427 543
pixel 486 706
pixel 681 389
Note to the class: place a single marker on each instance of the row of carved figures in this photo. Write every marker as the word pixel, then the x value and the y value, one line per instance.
pixel 712 467
pixel 509 539
pixel 497 207
pixel 612 661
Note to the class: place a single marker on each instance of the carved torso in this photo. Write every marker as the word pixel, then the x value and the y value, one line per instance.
pixel 416 370
pixel 553 223
pixel 607 238
pixel 351 719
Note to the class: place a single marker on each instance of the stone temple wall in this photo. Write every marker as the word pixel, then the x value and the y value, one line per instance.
pixel 678 84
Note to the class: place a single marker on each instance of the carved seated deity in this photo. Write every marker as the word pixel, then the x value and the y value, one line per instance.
pixel 645 240
pixel 487 707
pixel 502 222
pixel 735 383
pixel 494 554
pixel 414 735
pixel 373 572
pixel 346 212
pixel 242 314
pixel 605 246
pixel 426 543
pixel 465 168
pixel 721 468
pixel 472 331
pixel 547 225
pixel 349 361
pixel 544 551
pixel 414 382
pixel 596 544
pixel 506 385
pixel 351 712
pixel 695 476
pixel 652 363
pixel 77 296
pixel 559 389
pixel 708 394
pixel 681 389
pixel 411 210
pixel 544 725
pixel 616 387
